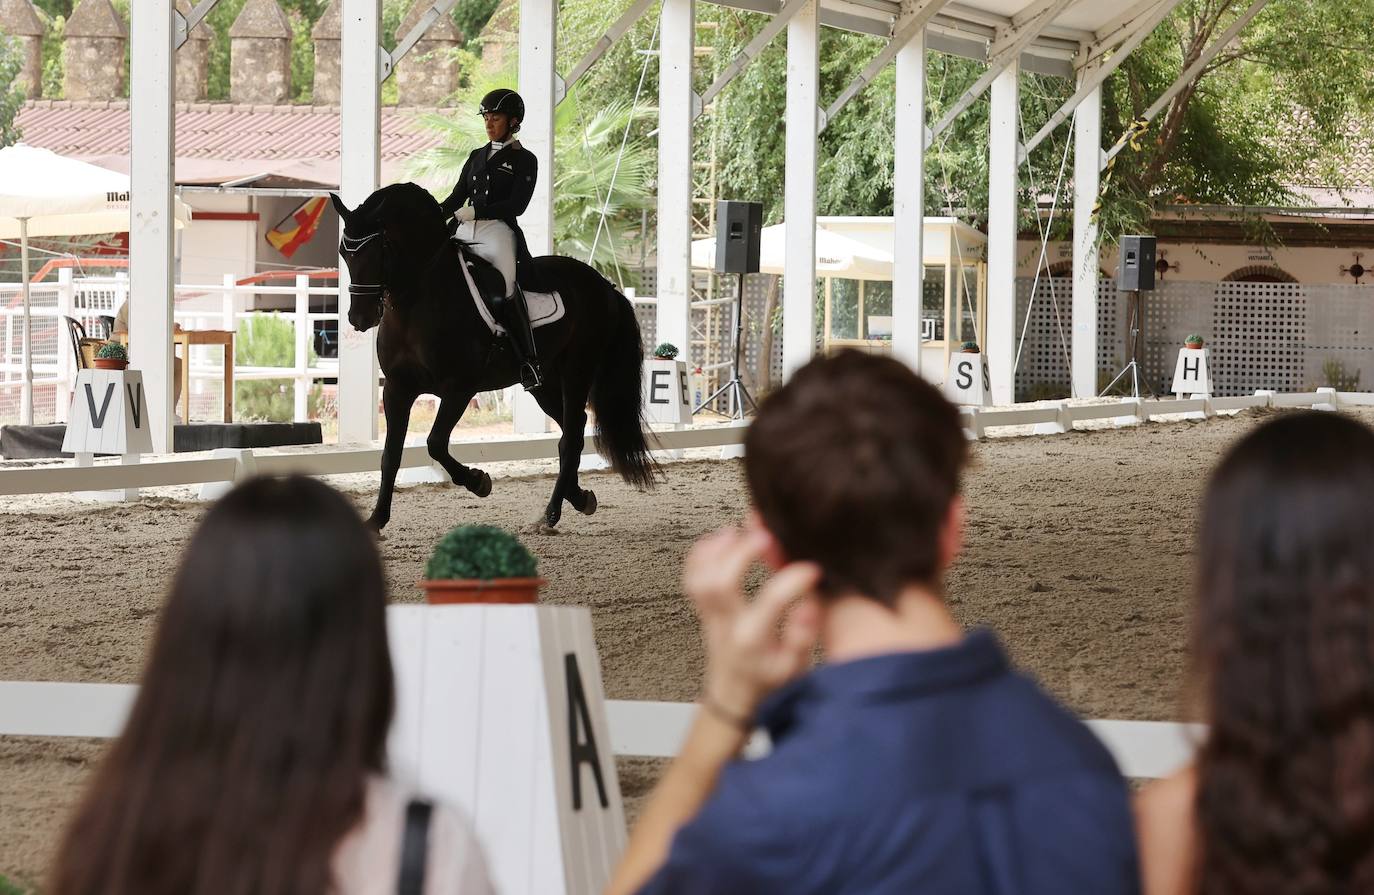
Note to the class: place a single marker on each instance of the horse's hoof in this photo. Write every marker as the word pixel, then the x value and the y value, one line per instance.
pixel 539 527
pixel 375 526
pixel 483 486
pixel 589 505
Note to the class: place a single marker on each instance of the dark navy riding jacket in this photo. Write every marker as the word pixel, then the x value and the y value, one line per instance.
pixel 933 773
pixel 500 187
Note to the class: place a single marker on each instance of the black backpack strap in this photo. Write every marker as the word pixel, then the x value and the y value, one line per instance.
pixel 414 848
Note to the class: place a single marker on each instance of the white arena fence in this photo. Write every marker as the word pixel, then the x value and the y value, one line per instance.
pixel 638 728
pixel 231 465
pixel 198 307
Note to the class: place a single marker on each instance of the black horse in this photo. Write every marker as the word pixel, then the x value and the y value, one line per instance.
pixel 405 276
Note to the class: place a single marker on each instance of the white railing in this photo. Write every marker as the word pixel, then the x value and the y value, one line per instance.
pixel 639 728
pixel 199 307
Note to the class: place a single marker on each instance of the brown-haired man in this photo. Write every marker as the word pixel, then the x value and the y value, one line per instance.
pixel 916 760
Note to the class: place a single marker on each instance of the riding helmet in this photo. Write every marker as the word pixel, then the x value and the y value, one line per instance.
pixel 503 99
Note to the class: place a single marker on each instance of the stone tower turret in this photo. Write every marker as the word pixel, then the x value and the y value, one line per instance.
pixel 260 54
pixel 326 37
pixel 428 75
pixel 20 21
pixel 94 49
pixel 193 60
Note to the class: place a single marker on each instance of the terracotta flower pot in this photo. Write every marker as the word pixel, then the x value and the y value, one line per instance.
pixel 110 363
pixel 1193 345
pixel 469 590
pixel 968 350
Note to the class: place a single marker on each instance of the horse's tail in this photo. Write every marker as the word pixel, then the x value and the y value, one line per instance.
pixel 617 397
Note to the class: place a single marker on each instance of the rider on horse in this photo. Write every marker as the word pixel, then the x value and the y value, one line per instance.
pixel 498 179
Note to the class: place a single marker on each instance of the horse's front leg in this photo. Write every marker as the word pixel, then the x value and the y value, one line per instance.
pixel 568 406
pixel 396 402
pixel 451 409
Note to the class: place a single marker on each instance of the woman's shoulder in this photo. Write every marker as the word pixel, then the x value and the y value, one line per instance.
pixel 1167 832
pixel 371 855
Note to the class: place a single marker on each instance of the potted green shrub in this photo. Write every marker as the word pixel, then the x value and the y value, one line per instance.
pixel 112 356
pixel 1193 341
pixel 481 564
pixel 969 347
pixel 665 351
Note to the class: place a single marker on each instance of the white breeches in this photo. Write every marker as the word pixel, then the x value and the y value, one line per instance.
pixel 492 241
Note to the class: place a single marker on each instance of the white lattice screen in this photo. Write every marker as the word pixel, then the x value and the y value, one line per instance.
pixel 1043 372
pixel 1281 336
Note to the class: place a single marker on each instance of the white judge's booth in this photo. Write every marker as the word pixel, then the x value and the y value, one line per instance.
pixel 854 267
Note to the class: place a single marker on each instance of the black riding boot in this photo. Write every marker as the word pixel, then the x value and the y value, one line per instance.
pixel 516 319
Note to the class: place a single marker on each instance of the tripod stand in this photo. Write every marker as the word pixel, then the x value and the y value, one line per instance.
pixel 734 386
pixel 1135 344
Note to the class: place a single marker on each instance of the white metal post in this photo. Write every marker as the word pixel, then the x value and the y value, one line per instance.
pixel 302 384
pixel 908 202
pixel 66 367
pixel 152 63
pixel 538 27
pixel 799 183
pixel 360 174
pixel 26 334
pixel 1087 134
pixel 1002 209
pixel 538 55
pixel 677 32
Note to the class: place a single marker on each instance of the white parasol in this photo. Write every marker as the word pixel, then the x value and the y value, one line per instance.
pixel 45 194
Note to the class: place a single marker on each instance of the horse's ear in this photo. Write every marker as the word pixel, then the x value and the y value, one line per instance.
pixel 340 207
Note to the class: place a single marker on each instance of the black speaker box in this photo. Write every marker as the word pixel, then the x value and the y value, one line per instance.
pixel 1137 270
pixel 739 230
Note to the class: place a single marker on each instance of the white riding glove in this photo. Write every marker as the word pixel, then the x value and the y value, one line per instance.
pixel 465 214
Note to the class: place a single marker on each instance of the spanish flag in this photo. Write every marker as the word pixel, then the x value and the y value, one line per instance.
pixel 297 228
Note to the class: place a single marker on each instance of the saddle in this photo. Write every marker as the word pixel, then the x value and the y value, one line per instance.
pixel 487 286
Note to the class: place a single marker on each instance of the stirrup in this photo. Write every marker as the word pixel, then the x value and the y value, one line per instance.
pixel 529 376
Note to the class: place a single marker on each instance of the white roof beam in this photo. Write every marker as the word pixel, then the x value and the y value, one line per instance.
pixel 185 24
pixel 747 55
pixel 1110 34
pixel 1189 75
pixel 604 44
pixel 1005 51
pixel 916 14
pixel 421 28
pixel 1097 75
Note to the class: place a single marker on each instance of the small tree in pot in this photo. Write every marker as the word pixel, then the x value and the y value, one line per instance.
pixel 481 564
pixel 1193 341
pixel 112 356
pixel 969 347
pixel 665 351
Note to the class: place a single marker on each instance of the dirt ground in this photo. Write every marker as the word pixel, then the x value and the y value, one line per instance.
pixel 1078 553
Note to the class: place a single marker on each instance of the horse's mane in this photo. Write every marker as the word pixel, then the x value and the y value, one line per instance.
pixel 396 200
pixel 403 206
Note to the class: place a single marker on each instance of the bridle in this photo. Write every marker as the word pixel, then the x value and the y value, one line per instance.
pixel 349 245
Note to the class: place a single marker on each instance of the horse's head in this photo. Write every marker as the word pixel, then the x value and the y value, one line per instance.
pixel 362 245
pixel 379 241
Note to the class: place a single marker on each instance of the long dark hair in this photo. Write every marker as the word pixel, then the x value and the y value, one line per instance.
pixel 263 708
pixel 1284 652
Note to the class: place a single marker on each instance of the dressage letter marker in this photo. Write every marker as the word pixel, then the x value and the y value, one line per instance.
pixel 667 396
pixel 108 414
pixel 966 381
pixel 1190 373
pixel 499 709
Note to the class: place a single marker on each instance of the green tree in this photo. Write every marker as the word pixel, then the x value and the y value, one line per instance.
pixel 591 173
pixel 11 94
pixel 269 341
pixel 1230 138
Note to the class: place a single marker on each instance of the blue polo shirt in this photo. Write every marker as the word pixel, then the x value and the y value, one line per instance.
pixel 942 772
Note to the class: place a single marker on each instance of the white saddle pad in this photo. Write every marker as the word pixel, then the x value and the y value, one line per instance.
pixel 544 307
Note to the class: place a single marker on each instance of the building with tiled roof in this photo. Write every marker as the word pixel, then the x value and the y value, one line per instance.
pixel 262 146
